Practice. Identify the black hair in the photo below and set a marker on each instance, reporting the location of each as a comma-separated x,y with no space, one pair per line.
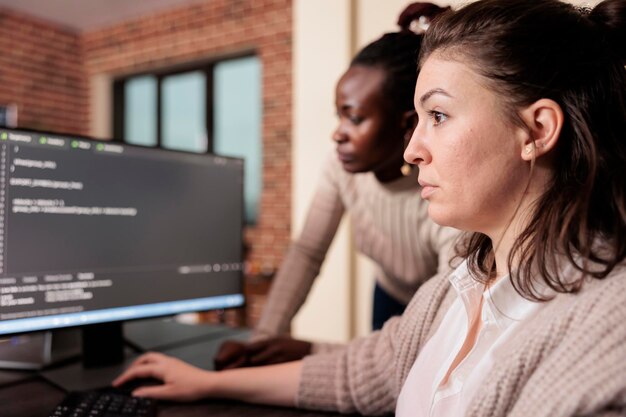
397,53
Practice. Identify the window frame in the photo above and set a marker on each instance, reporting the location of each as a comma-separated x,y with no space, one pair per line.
205,66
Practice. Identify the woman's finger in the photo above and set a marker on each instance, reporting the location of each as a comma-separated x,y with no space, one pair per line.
265,356
258,346
160,392
240,362
137,371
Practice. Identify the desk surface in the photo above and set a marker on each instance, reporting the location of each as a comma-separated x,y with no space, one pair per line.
26,394
36,398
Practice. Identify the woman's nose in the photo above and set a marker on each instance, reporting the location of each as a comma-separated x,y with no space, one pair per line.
339,135
416,151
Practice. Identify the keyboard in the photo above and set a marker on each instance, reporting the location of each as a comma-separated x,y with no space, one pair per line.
104,403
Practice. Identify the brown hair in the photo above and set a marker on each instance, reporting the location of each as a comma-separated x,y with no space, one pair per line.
533,49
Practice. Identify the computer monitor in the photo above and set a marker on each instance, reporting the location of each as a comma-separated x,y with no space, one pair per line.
94,233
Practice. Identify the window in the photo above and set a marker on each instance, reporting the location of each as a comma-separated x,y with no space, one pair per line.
214,108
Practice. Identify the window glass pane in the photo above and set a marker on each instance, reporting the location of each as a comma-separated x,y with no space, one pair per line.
237,122
183,107
140,110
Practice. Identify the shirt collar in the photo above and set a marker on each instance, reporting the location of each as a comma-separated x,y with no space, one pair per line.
505,305
502,304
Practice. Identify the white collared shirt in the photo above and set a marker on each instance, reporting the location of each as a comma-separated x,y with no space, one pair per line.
503,314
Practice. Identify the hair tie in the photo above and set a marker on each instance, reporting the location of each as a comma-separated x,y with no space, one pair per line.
419,25
416,17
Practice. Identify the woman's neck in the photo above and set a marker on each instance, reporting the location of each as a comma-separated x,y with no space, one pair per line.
388,175
503,238
390,170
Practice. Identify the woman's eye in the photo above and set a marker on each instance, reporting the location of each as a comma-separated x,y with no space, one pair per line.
438,117
356,120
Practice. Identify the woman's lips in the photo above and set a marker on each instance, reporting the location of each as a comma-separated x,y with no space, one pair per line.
344,157
427,189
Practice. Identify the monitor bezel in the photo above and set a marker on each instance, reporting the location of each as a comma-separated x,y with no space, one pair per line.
238,300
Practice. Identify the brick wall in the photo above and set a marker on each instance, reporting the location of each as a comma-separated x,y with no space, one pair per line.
45,69
214,29
42,71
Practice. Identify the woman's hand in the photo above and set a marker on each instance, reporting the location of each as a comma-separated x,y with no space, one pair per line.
277,350
181,381
233,354
276,385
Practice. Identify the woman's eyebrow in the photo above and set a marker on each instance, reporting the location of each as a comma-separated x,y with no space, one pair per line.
431,93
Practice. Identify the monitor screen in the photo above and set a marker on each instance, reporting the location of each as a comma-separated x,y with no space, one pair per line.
96,232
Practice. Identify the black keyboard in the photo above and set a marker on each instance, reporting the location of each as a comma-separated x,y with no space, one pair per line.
104,403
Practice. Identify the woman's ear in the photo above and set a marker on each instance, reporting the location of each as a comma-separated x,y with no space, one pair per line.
544,120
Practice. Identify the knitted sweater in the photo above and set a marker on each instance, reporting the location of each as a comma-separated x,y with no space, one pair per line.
390,224
571,362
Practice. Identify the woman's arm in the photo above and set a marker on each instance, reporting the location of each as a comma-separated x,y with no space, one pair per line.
367,374
304,258
274,385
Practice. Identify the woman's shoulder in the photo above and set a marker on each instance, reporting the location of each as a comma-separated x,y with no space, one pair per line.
612,282
612,288
595,280
599,302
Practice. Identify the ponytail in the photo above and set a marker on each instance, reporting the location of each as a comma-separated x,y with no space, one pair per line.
611,16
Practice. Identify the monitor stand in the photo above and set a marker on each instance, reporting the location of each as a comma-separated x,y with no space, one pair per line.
39,350
104,357
76,377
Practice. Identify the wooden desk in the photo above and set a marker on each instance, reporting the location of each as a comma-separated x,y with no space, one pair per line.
36,398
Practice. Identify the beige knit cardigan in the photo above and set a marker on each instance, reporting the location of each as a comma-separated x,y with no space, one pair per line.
571,361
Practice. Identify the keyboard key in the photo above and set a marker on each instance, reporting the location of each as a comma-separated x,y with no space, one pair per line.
107,402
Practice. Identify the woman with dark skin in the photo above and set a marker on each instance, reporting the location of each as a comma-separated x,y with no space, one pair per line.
533,322
369,180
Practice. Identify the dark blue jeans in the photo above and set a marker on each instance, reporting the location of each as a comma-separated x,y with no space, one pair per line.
385,306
